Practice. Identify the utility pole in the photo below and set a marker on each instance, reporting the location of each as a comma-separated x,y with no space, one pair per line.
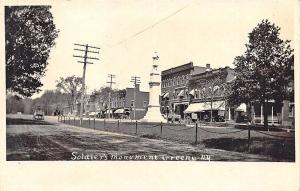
135,80
86,60
111,82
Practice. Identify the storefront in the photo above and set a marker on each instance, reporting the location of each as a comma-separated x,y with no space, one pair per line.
206,111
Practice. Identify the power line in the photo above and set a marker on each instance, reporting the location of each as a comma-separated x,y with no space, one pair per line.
151,26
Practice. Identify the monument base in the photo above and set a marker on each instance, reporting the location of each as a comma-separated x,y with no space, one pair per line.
153,115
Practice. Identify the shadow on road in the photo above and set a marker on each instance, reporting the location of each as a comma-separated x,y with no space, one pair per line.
20,121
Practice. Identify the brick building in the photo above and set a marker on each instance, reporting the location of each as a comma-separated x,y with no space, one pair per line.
207,93
174,89
123,101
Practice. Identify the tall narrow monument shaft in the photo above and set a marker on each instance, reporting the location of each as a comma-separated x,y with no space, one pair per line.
153,114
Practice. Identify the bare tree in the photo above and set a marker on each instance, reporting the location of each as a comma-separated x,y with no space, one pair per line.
71,86
101,96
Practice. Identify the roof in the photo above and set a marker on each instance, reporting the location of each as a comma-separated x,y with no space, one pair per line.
199,70
188,66
212,72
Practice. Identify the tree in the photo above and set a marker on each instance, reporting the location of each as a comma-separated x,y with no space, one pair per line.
14,104
264,71
102,96
71,86
29,36
50,101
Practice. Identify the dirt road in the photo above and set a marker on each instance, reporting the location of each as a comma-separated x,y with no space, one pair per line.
34,140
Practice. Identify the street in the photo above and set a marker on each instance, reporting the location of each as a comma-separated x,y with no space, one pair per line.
50,140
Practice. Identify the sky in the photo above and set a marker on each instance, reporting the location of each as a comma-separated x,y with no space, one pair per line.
129,32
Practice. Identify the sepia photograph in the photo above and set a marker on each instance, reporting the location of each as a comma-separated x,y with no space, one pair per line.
150,81
150,95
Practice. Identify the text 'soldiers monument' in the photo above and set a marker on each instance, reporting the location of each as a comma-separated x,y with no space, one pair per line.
153,113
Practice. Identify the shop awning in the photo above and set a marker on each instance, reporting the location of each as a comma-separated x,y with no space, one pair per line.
166,95
194,107
242,107
192,92
181,94
198,107
119,111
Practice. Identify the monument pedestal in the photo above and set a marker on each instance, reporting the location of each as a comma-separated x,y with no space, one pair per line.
153,115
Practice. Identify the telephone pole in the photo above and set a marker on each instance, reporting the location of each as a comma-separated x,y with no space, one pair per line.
111,82
135,80
86,49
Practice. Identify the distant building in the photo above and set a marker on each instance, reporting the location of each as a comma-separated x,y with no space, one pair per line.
130,103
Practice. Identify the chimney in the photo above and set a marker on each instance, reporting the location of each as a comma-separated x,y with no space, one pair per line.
208,66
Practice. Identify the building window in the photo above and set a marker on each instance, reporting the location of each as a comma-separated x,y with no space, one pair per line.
216,90
132,103
203,93
145,104
291,110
